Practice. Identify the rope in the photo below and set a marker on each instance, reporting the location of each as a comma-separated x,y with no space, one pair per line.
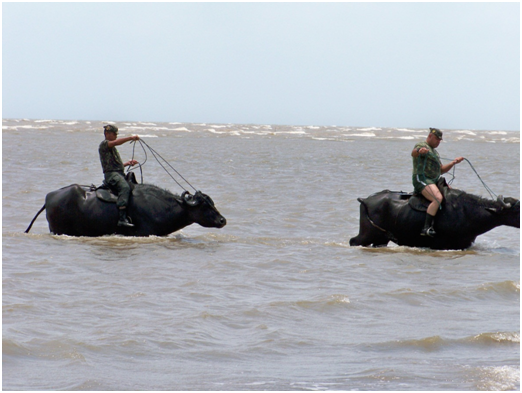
489,190
156,155
425,157
139,164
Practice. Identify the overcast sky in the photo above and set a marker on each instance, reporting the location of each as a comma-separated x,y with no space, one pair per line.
419,65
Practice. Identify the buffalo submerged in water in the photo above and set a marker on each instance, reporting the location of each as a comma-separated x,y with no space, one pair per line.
399,217
85,211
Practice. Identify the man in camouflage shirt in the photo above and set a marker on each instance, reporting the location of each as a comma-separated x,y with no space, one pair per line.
113,167
427,169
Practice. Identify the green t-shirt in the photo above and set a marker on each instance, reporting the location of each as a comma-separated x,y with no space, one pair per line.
429,164
110,158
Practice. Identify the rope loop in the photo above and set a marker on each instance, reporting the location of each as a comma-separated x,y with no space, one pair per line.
489,190
157,156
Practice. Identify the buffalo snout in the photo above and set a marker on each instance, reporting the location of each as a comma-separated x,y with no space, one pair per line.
222,221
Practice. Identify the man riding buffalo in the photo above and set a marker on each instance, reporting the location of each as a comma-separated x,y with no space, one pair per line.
113,168
427,169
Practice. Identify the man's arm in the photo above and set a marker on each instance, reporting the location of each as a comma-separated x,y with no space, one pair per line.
447,167
121,141
419,151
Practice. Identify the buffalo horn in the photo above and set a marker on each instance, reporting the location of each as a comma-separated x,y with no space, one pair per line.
500,200
189,199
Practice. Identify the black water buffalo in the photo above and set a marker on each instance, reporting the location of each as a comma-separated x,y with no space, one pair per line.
77,211
399,217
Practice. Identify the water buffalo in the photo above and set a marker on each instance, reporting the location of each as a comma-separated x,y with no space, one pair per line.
77,211
399,217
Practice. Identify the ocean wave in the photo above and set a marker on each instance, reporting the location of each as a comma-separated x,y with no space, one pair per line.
318,133
13,348
290,132
437,342
494,338
25,127
365,134
495,377
504,287
323,303
146,128
51,350
467,132
103,240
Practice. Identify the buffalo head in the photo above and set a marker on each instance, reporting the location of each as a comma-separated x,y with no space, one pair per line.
509,209
202,210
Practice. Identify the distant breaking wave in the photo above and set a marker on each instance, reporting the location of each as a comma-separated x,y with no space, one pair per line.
318,133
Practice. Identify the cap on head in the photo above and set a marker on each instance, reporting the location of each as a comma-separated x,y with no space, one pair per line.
110,128
437,132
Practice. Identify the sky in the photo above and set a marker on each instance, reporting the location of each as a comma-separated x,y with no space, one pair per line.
418,65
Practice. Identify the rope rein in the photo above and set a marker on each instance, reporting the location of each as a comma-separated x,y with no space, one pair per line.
157,156
489,190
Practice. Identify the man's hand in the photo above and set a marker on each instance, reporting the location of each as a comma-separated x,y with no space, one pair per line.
458,160
131,163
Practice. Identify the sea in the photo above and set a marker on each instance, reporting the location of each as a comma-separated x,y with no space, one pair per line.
276,300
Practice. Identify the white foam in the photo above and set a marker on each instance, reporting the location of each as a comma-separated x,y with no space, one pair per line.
497,133
223,132
367,134
369,129
465,132
290,132
500,378
27,127
146,128
407,130
182,129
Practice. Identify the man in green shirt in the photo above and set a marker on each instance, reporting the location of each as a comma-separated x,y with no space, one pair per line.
113,167
427,169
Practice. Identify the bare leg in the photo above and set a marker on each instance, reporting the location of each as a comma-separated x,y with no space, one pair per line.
432,193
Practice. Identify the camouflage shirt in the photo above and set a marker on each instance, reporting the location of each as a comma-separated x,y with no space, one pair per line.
429,164
110,158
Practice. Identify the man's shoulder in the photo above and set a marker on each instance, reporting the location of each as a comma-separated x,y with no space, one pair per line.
104,144
421,144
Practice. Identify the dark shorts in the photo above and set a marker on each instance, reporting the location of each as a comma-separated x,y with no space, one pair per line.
117,183
420,181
